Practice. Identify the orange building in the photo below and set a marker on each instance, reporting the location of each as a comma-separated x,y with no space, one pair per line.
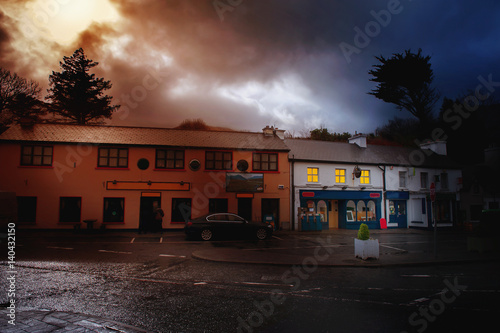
64,175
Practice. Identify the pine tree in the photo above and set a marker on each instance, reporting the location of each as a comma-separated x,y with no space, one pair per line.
78,95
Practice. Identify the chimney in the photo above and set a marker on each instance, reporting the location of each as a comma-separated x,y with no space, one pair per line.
359,139
268,131
439,147
279,133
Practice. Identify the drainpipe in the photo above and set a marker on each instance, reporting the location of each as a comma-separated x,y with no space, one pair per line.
292,208
384,194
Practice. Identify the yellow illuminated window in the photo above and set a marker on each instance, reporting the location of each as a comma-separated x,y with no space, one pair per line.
340,176
312,175
365,177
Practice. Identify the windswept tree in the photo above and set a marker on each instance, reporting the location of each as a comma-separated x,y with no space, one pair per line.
405,80
78,95
19,97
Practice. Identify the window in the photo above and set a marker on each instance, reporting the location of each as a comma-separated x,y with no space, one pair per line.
402,179
444,181
113,210
181,210
365,177
371,213
217,205
265,162
169,159
312,175
340,176
424,179
361,211
113,157
70,209
218,160
36,155
322,210
351,211
26,209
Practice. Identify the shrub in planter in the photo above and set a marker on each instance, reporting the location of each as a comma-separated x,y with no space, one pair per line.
364,247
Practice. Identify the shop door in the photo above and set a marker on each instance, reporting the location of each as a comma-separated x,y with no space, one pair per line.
245,208
271,208
397,213
333,216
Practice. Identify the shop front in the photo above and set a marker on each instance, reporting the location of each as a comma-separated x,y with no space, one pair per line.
340,209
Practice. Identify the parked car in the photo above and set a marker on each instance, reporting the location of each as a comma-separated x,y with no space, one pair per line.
226,225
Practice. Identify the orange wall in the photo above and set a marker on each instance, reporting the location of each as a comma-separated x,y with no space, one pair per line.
74,173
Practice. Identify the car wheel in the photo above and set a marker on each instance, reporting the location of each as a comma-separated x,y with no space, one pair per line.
206,234
261,233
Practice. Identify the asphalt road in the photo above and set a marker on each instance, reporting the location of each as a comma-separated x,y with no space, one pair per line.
153,282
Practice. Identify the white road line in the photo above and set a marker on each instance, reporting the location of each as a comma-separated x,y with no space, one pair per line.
394,248
199,283
161,239
171,255
277,237
120,252
418,275
133,239
60,248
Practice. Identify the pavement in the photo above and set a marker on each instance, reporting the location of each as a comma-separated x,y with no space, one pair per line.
398,247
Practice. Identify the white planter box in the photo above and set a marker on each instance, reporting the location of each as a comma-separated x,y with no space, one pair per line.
365,249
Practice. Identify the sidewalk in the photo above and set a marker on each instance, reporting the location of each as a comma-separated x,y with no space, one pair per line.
408,247
44,321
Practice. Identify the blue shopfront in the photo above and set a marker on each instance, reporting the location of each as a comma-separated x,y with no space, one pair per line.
341,209
398,216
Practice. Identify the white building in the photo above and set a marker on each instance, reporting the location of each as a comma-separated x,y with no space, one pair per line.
345,184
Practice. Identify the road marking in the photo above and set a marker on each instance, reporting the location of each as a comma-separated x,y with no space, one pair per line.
394,248
277,237
120,252
199,283
418,275
133,239
171,255
161,239
60,248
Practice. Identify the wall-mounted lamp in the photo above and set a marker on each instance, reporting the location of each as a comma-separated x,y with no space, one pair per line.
149,183
356,172
182,183
114,182
344,187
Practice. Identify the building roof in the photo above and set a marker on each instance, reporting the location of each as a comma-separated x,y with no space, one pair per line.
340,152
142,136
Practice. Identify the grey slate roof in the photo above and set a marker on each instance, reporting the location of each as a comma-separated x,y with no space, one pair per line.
142,136
339,152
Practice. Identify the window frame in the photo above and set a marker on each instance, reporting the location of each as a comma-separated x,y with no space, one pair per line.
339,176
424,180
311,176
104,215
32,155
227,164
269,162
174,160
364,179
402,179
108,157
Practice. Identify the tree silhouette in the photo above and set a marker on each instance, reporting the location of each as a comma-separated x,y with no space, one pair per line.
17,93
405,80
78,95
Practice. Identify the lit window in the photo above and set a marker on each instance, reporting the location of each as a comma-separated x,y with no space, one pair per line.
340,176
312,175
365,177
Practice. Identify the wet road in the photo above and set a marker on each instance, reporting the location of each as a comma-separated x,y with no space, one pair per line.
154,283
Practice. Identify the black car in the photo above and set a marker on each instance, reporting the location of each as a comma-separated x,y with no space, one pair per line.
226,225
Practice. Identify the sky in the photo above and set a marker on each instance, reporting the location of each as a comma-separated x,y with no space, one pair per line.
244,64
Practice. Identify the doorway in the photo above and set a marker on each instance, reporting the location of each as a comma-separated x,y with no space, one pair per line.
245,208
146,212
271,209
333,215
397,213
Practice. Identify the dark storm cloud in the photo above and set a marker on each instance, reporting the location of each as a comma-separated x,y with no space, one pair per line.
295,64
